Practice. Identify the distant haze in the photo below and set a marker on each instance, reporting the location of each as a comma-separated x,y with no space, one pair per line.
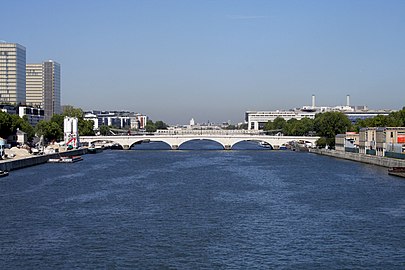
213,60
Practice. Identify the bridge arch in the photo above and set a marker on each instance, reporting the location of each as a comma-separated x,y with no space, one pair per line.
252,140
150,141
217,142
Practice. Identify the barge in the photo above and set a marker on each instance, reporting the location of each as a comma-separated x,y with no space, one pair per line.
71,159
397,171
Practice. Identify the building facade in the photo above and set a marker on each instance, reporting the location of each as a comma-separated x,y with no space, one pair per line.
44,87
117,119
367,140
12,73
390,139
34,85
257,119
34,115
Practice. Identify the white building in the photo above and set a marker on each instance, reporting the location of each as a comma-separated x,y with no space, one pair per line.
34,115
118,119
257,119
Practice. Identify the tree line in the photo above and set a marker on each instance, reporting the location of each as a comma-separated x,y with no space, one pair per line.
52,130
327,125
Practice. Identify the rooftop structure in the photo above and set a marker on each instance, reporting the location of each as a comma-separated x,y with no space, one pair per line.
257,119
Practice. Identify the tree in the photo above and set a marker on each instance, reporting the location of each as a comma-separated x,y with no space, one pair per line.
289,128
331,123
243,126
160,125
150,126
23,125
73,112
50,130
104,130
86,128
58,119
279,123
5,125
268,126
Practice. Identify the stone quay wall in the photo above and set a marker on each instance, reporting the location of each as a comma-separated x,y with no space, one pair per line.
369,159
9,165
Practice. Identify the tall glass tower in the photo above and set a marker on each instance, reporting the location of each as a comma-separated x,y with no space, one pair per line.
12,73
43,87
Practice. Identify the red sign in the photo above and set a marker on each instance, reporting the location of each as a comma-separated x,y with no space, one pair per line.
401,139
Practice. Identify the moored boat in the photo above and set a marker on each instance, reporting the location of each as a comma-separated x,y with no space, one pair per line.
397,171
3,173
94,150
264,144
70,159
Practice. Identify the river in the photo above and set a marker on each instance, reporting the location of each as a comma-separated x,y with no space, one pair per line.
202,209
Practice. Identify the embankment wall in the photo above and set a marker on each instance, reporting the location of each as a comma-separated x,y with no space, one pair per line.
369,159
9,165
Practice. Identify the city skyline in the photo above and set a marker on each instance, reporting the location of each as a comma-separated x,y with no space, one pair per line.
177,60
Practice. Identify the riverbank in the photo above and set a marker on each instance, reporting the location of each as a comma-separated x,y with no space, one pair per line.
14,164
369,159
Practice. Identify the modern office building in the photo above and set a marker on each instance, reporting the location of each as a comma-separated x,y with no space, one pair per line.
257,119
12,73
117,119
34,82
43,87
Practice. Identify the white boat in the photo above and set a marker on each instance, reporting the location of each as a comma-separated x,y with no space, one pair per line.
70,159
264,144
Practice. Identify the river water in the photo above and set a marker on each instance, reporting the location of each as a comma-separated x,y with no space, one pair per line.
202,209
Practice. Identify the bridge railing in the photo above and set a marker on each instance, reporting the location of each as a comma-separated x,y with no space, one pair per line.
208,132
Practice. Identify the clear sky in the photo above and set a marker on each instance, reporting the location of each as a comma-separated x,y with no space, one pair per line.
213,60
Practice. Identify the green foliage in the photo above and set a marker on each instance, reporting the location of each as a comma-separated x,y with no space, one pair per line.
294,127
104,130
50,130
321,142
73,112
58,119
5,125
23,125
331,123
86,128
394,119
10,123
160,125
278,124
150,126
243,126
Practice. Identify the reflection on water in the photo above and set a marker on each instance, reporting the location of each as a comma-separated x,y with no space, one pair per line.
246,208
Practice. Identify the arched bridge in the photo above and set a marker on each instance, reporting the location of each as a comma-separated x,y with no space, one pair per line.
175,139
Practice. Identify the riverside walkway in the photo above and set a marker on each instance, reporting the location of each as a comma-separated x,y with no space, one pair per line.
175,138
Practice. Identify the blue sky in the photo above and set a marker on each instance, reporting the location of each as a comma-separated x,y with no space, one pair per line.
213,60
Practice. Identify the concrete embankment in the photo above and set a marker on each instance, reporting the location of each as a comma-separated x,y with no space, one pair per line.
9,165
369,159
